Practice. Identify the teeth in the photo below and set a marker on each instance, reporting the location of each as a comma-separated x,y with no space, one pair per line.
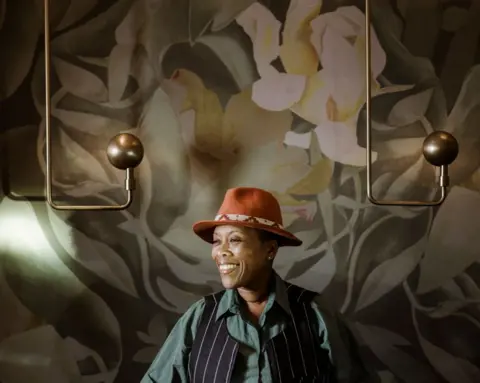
227,267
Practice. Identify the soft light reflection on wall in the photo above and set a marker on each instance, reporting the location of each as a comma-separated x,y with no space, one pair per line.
39,354
20,231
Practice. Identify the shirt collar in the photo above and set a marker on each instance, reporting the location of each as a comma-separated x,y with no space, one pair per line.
230,301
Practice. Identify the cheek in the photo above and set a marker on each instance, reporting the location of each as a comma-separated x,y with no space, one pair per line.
250,260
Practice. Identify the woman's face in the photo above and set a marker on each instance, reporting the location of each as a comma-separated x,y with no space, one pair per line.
241,256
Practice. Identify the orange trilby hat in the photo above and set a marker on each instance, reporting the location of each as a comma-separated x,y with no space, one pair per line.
250,207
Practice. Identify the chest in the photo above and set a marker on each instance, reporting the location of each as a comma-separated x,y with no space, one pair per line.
287,350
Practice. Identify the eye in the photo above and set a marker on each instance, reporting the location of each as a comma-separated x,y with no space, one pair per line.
215,241
235,239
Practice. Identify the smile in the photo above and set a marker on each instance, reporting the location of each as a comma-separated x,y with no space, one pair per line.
227,268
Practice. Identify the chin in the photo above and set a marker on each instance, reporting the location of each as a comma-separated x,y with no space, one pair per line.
229,284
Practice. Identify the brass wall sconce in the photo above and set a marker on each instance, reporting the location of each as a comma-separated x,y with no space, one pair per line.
125,151
439,148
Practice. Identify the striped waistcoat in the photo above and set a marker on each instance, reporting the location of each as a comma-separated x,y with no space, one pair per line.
294,355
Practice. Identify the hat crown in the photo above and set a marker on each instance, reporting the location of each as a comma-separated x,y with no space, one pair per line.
251,202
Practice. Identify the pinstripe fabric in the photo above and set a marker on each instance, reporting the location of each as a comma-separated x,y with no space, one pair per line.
296,351
294,355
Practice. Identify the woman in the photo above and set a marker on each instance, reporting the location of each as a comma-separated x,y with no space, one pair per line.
260,328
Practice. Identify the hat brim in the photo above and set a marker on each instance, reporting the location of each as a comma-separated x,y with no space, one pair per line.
205,229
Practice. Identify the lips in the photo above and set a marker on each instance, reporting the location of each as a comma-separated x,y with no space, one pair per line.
227,268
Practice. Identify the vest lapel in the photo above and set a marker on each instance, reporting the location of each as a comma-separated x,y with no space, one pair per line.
213,354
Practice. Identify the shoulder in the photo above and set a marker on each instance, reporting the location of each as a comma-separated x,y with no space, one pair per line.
191,317
199,306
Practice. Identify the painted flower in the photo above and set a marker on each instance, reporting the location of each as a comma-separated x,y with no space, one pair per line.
329,98
231,151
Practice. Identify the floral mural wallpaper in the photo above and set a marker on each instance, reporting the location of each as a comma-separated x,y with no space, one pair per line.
237,93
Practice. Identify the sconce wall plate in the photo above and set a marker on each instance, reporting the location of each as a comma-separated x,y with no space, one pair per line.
125,151
439,148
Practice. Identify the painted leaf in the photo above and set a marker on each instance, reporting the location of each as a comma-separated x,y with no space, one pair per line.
157,328
401,147
386,377
82,353
178,300
163,174
316,181
84,40
302,266
75,12
447,308
404,67
388,348
83,171
145,355
94,255
20,43
53,287
80,82
402,185
348,203
469,286
452,368
98,126
201,14
410,109
320,273
233,56
454,231
45,343
228,11
390,274
119,64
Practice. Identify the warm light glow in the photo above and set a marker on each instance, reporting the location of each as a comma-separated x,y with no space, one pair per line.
20,231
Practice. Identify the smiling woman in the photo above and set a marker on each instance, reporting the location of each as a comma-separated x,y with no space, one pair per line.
260,328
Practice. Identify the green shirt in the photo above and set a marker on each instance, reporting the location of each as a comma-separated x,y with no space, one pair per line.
174,355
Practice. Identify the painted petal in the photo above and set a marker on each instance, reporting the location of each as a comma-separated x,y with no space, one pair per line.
379,58
313,105
344,74
264,30
273,167
338,141
210,135
297,53
278,92
271,125
332,21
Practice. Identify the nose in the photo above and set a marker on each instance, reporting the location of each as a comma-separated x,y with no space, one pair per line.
223,250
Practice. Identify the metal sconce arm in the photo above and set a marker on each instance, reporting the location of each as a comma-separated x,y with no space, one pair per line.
125,151
439,148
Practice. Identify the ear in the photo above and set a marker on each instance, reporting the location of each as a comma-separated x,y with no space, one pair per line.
272,248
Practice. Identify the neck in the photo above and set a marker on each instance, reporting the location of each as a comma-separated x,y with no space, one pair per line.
258,293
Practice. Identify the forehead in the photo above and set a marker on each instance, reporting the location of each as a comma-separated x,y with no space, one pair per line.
227,229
